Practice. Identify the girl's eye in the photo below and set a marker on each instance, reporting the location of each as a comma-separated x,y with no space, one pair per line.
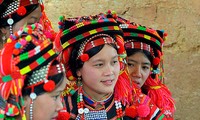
115,61
98,65
146,67
130,65
56,97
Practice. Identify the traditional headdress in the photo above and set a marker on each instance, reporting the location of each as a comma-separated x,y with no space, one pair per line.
13,11
89,32
26,62
140,37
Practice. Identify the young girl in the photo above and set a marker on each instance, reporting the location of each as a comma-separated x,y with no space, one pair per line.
32,77
144,50
94,57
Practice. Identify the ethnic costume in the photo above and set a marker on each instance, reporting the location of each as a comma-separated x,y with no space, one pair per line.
27,61
138,37
125,101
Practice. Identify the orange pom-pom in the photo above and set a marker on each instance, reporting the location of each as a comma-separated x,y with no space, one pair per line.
131,111
16,52
84,57
29,31
49,86
156,61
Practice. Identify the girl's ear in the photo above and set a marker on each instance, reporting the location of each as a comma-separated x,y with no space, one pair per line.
78,72
3,31
26,101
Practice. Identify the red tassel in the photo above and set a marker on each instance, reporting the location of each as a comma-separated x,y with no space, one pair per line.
49,86
131,111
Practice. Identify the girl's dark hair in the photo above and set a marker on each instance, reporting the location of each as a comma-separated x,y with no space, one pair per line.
57,78
146,53
75,64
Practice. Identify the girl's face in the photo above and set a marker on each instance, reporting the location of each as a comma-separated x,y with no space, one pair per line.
139,68
100,73
47,105
32,18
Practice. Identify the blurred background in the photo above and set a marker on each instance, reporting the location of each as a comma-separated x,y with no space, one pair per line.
179,18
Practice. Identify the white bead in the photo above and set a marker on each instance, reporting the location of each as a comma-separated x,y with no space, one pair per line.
86,110
80,111
33,96
10,21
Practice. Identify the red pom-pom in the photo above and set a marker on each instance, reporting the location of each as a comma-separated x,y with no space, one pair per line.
109,11
48,35
21,11
156,61
84,57
63,115
131,111
49,86
143,110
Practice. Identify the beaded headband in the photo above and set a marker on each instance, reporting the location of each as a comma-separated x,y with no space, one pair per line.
93,42
16,10
132,44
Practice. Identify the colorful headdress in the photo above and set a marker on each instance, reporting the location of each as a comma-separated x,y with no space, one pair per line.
85,29
13,11
89,32
26,61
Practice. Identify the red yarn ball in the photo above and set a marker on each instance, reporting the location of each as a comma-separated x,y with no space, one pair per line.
21,11
84,57
143,110
156,61
63,116
131,111
49,86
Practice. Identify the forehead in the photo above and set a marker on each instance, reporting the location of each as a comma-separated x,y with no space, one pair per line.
106,52
139,57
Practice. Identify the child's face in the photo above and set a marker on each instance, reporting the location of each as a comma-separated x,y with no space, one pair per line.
139,68
100,73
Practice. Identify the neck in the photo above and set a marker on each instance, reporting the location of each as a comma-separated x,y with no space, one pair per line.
96,97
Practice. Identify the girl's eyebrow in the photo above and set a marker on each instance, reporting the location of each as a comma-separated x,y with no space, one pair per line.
146,63
100,60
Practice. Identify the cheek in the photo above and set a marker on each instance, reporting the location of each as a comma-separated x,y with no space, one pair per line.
18,25
146,74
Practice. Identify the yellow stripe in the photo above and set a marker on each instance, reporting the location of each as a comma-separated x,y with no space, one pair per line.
116,28
147,37
92,31
65,45
25,70
51,52
155,87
